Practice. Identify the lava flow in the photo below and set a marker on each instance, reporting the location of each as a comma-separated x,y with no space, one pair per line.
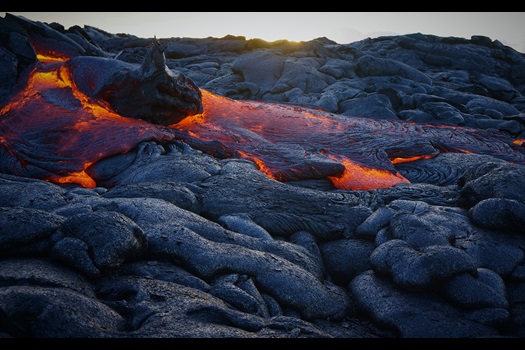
294,143
51,129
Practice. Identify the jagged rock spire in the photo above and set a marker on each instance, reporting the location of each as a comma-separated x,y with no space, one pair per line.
154,60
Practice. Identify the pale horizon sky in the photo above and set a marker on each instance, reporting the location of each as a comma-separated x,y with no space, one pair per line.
341,27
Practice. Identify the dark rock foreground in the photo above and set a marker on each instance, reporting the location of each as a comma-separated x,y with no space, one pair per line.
177,243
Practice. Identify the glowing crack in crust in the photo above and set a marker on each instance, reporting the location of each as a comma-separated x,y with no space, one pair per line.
68,113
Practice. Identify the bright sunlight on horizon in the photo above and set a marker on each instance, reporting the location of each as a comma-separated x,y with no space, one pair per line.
341,27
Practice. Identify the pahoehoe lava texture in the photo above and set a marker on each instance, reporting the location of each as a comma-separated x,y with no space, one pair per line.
70,110
175,239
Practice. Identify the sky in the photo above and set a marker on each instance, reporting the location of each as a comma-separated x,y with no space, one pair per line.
341,27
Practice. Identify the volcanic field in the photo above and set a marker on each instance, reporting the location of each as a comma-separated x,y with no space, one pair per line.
233,188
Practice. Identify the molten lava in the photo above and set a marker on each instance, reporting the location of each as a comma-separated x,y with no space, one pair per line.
51,130
54,132
294,143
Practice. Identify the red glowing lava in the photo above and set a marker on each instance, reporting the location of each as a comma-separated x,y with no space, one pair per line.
53,131
295,143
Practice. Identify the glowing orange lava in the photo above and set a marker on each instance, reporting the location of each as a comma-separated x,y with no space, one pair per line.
410,159
53,131
520,142
56,132
357,177
294,143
